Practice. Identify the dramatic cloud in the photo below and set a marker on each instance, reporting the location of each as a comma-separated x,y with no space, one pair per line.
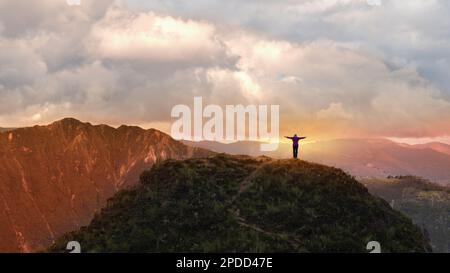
150,38
337,68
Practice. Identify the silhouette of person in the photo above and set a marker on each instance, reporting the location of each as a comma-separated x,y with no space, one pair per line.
295,139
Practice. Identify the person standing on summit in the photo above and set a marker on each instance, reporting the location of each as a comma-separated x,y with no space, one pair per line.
295,139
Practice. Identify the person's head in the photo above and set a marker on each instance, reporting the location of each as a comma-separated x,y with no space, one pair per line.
295,135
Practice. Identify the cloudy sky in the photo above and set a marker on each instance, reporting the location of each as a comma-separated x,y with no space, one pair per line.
337,68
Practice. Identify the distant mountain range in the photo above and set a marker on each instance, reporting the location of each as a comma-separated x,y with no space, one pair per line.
54,178
360,157
436,146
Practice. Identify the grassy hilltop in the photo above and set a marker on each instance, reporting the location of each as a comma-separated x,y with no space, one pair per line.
244,204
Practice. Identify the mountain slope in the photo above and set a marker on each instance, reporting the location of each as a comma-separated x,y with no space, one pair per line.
437,146
54,178
238,203
360,157
381,158
428,205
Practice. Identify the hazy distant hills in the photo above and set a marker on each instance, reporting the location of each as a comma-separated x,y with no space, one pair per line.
6,129
436,146
54,178
428,205
242,204
360,157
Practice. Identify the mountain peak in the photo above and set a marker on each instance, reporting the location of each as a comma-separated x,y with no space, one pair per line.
69,122
60,174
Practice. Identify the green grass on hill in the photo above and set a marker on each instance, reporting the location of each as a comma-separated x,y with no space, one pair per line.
244,204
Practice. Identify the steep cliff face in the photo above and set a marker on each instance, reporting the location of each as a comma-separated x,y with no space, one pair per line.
54,178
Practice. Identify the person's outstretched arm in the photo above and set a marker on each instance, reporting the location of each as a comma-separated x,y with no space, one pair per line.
303,137
288,137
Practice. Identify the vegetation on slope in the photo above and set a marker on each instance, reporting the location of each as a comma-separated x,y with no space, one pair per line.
427,204
243,204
